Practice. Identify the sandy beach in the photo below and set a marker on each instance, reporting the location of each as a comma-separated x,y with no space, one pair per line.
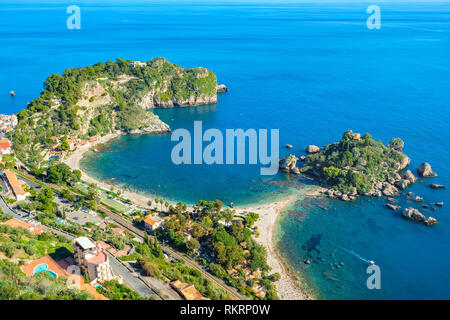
73,161
288,287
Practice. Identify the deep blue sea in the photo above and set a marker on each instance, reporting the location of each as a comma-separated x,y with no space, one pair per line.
310,70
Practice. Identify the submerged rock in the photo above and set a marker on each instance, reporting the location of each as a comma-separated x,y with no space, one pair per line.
413,214
392,206
436,186
425,170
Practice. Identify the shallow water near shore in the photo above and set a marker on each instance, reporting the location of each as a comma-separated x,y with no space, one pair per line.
341,238
310,70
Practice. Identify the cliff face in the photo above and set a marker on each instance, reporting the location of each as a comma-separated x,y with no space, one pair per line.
179,87
96,100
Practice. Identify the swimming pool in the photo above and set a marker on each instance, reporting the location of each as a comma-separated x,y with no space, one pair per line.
43,267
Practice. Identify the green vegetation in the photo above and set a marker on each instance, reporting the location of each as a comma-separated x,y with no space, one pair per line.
15,285
221,242
103,197
47,212
355,164
62,174
113,290
19,245
151,259
83,102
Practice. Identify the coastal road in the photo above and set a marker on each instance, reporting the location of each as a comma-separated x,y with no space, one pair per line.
131,278
177,255
6,209
29,182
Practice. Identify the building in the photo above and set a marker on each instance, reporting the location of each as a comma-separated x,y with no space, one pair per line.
15,185
136,64
119,231
152,223
5,146
34,229
186,290
56,269
92,259
8,122
357,136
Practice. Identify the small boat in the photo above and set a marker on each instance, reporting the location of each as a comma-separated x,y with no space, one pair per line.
13,94
372,263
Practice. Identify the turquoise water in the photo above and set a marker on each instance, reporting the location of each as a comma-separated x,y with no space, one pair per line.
44,268
310,70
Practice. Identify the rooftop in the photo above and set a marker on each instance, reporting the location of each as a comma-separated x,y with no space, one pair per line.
15,184
16,223
85,243
151,220
187,290
4,144
100,258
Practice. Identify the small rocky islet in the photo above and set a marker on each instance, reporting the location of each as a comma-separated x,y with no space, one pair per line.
360,166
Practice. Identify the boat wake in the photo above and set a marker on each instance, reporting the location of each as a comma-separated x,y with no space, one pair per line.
353,253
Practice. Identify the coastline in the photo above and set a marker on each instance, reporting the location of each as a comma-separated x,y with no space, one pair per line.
74,159
288,287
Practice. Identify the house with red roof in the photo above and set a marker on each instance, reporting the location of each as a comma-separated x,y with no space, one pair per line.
5,146
93,259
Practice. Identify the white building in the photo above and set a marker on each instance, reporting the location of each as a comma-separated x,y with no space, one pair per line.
94,260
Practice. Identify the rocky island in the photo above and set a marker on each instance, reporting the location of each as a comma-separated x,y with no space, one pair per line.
359,165
112,97
356,165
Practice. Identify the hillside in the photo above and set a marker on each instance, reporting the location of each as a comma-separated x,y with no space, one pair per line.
113,96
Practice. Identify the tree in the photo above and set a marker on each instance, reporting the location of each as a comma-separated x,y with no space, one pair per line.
93,193
64,144
228,215
251,218
77,176
275,277
207,222
192,245
46,197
